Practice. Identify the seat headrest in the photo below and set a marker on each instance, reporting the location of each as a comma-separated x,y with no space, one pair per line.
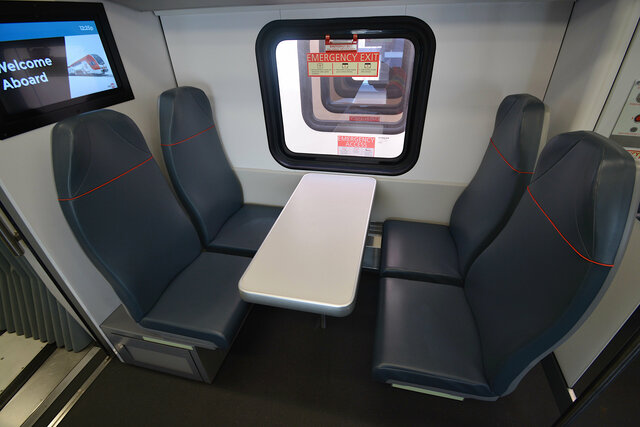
605,173
184,111
517,129
78,141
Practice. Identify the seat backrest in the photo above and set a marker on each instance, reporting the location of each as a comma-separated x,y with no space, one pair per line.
537,281
120,207
506,168
196,162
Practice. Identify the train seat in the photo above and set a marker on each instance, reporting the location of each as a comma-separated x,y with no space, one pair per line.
203,178
126,218
527,291
443,254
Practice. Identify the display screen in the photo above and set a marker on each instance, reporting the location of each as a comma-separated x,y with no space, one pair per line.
43,63
57,59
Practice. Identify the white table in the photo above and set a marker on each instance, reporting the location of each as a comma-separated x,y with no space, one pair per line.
310,260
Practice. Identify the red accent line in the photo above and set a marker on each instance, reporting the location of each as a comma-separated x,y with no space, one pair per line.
561,235
111,180
186,139
505,160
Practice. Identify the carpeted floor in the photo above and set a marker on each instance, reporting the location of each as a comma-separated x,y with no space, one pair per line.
284,370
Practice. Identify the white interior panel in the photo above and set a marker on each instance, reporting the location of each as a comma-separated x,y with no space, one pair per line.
344,11
623,296
216,52
484,52
392,195
629,73
577,353
26,174
592,52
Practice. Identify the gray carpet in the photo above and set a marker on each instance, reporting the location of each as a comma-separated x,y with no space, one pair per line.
284,370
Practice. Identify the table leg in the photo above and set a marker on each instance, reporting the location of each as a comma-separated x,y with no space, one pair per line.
323,321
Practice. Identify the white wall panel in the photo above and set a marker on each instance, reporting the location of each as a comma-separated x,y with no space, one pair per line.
618,303
592,52
345,11
484,52
216,52
623,296
26,175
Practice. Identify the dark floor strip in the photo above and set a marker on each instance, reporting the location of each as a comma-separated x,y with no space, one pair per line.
617,343
557,382
591,400
57,405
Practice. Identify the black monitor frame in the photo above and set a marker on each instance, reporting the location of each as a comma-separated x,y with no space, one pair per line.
37,11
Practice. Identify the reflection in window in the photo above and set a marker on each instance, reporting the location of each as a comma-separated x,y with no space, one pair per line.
351,116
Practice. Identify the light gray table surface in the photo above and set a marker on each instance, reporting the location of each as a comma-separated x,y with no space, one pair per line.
310,260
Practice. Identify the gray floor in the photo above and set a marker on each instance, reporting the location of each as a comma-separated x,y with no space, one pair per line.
283,369
15,354
43,386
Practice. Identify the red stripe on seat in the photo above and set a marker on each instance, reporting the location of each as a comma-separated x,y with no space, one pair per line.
505,160
110,181
561,235
186,139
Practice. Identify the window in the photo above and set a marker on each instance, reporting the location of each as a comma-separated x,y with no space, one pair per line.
346,95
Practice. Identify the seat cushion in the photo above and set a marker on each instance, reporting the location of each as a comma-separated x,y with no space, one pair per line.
203,301
245,230
426,336
419,251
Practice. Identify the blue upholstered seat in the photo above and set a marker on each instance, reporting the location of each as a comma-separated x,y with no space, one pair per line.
442,254
443,352
419,251
203,179
185,307
527,291
125,217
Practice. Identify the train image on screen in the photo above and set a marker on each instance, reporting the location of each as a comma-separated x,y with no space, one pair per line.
91,64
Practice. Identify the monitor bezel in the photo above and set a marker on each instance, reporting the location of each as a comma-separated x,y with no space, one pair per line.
38,11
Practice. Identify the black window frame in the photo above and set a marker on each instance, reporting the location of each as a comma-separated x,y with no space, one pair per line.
381,27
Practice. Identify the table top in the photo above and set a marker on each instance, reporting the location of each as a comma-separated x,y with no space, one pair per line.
310,260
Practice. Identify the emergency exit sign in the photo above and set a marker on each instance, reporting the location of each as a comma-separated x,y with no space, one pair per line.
343,64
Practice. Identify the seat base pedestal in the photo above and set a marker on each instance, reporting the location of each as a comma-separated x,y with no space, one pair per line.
425,391
162,352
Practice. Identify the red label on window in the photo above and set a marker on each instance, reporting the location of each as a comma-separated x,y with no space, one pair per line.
634,152
363,146
330,45
343,64
364,118
344,57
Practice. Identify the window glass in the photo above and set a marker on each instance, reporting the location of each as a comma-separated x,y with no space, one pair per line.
353,115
